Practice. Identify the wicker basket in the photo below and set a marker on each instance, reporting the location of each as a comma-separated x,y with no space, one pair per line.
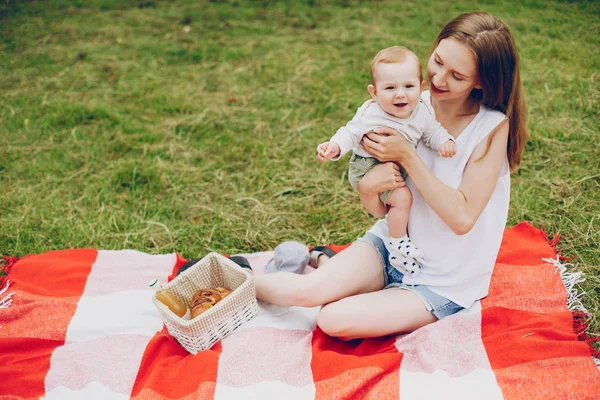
216,323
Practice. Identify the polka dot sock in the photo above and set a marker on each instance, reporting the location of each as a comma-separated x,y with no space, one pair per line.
405,247
406,265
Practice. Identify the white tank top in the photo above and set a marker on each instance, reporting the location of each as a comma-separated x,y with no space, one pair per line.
457,267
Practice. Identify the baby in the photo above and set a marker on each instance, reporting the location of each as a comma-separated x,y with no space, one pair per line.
396,85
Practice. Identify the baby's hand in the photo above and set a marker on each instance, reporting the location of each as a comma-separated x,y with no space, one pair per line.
448,149
328,150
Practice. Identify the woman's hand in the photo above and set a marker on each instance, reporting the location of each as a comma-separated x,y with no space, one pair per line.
381,178
386,144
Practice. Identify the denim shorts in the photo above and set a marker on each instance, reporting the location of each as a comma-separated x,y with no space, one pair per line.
438,305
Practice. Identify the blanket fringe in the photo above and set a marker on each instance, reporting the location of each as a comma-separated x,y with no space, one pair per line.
570,279
7,300
581,316
6,266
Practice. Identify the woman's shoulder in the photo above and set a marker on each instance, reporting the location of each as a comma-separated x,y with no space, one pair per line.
490,113
489,118
485,122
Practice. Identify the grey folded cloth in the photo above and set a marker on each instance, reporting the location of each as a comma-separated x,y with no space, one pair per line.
288,257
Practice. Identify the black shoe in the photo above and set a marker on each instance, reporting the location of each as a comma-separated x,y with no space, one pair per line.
187,265
239,260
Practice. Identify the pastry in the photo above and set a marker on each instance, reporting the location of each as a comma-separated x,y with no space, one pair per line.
223,291
213,295
204,299
201,300
200,308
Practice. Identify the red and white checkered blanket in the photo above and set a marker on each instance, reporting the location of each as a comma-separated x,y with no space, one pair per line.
82,326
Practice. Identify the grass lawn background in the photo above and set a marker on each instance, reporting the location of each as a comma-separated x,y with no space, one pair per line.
191,126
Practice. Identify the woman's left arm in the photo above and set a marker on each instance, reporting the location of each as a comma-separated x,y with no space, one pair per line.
458,208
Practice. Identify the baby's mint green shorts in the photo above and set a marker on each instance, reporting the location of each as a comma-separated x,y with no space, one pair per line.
359,166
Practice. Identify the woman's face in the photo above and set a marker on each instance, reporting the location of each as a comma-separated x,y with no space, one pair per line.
452,71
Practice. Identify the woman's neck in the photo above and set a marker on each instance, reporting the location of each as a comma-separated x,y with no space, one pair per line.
455,115
455,108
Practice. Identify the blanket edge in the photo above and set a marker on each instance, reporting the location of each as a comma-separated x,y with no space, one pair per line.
581,316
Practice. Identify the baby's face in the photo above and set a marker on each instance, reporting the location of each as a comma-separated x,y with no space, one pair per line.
397,88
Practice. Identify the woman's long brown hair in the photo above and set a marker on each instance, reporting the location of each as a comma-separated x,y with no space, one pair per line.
494,47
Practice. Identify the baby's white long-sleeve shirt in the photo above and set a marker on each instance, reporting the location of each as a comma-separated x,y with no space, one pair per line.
420,124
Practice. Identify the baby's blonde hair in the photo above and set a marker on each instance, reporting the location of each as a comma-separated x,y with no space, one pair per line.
394,54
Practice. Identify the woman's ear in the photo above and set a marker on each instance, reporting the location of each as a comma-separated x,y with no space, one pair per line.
372,91
422,85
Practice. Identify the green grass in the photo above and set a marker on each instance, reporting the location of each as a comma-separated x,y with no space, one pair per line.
122,129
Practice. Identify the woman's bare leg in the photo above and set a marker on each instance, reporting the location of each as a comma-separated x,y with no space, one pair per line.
356,269
380,313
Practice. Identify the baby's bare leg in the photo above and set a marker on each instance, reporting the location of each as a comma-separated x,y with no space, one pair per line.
403,254
400,202
369,199
373,205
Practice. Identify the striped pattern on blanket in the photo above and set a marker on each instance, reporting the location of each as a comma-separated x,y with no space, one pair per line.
82,326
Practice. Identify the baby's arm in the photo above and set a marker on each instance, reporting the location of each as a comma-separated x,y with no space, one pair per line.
448,149
437,137
328,150
350,135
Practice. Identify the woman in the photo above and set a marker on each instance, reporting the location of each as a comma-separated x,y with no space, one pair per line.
460,204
